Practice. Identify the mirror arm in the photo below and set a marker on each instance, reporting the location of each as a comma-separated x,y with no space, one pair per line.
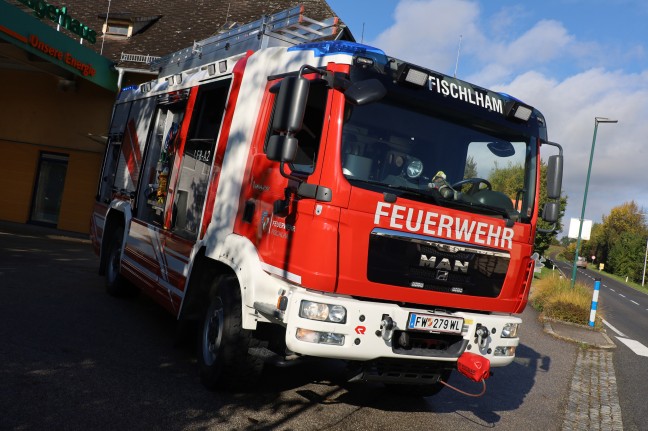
552,229
553,144
287,175
312,69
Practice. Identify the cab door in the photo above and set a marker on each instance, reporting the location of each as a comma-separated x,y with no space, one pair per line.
188,193
143,257
296,237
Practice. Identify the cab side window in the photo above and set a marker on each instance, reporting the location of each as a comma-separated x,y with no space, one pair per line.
198,158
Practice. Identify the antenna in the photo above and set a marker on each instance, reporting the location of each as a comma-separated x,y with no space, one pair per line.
362,35
458,52
103,38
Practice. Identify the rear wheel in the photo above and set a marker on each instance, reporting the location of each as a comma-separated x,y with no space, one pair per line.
224,354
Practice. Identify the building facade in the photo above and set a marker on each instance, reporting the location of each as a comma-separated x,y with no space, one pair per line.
62,64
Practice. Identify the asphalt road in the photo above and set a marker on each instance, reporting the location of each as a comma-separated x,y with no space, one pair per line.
625,311
73,358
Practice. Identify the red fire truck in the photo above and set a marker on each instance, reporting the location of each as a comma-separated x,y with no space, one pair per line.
323,199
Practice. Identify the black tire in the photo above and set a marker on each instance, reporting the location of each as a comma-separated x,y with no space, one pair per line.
224,346
419,390
116,284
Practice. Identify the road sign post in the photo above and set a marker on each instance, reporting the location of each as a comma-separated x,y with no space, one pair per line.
595,295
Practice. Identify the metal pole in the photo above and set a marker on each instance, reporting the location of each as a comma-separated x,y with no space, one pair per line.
597,120
643,278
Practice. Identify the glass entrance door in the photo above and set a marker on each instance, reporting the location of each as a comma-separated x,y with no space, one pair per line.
49,188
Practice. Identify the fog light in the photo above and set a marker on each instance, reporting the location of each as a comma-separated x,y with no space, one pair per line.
307,335
510,330
317,337
504,351
324,312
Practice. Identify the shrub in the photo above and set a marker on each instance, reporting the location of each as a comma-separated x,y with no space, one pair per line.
555,299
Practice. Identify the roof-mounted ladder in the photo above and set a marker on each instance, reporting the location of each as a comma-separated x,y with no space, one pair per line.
286,28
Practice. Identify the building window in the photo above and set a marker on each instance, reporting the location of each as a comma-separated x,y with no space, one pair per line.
117,29
48,192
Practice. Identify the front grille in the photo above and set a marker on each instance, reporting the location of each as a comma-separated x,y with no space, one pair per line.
421,343
436,265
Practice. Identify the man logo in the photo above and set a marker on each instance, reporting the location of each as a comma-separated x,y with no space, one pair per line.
442,275
445,264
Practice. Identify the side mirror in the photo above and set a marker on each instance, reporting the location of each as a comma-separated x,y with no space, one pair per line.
363,92
554,176
291,105
281,148
551,212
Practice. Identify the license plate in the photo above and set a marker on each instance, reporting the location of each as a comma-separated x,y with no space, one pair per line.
434,323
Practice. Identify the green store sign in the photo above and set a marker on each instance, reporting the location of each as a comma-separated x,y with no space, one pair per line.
42,9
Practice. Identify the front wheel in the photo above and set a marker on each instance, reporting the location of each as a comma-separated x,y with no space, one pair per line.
224,350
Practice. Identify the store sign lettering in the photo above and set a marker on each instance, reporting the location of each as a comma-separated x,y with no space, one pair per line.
42,9
66,57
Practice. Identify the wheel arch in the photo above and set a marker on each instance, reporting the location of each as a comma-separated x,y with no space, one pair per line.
114,219
203,271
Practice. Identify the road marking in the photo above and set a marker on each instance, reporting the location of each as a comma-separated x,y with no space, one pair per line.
609,325
635,346
634,302
621,295
612,290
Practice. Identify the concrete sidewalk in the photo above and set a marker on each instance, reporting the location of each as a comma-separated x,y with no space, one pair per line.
584,335
593,398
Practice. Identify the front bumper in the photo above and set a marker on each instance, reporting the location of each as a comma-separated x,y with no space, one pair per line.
365,337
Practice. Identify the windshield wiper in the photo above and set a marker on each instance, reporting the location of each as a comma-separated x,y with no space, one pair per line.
406,192
508,215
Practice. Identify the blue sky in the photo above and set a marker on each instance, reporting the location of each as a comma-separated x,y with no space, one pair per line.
574,60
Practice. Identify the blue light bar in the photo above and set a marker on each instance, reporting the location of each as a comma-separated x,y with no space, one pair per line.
333,47
508,96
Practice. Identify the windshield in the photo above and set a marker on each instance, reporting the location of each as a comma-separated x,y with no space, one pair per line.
391,148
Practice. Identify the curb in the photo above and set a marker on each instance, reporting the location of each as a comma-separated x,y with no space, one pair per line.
608,344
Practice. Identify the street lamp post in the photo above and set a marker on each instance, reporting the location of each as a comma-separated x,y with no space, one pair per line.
597,120
643,278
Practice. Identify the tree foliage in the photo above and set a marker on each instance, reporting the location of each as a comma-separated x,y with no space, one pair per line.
471,168
510,180
620,241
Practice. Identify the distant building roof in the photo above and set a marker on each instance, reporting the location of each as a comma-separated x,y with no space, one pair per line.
160,27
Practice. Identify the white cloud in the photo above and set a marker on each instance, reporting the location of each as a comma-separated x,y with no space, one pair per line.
526,65
620,158
428,32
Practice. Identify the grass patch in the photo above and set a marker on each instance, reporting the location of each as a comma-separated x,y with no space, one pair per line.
555,299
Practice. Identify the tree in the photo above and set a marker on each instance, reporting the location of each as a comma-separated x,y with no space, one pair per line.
596,243
626,256
510,180
565,241
626,218
471,168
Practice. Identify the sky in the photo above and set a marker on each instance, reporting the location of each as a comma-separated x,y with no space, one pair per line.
573,60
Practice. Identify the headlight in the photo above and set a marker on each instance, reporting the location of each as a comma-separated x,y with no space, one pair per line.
510,330
324,312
